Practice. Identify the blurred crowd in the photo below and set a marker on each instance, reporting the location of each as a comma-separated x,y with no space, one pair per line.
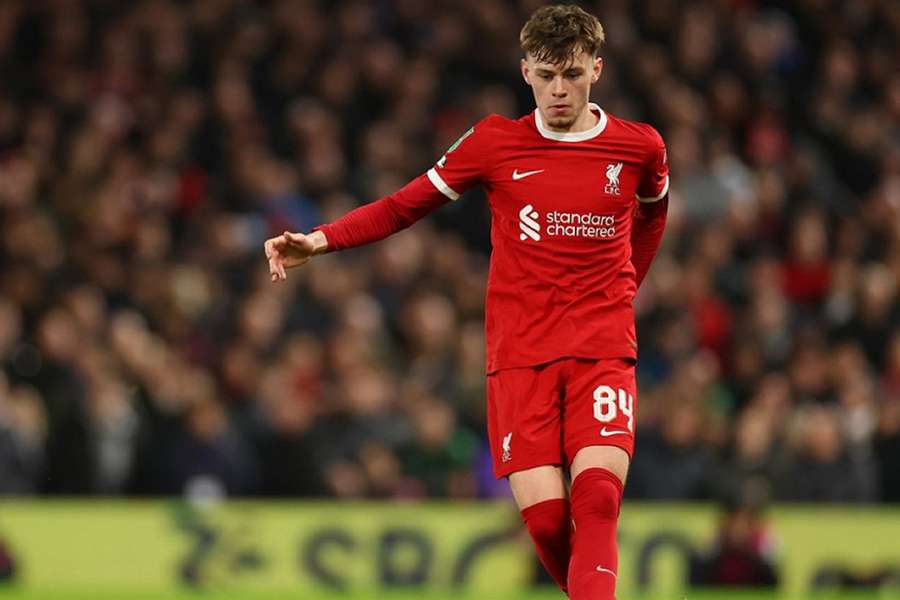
148,147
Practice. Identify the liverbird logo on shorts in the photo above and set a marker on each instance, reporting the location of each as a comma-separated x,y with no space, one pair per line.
612,179
506,452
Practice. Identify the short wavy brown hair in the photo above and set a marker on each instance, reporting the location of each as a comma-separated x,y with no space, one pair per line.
554,34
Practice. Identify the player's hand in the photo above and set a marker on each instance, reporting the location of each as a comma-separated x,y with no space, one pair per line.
290,250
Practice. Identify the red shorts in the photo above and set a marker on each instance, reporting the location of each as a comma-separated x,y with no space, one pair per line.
543,415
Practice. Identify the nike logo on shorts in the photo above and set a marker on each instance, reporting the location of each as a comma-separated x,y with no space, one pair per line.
608,432
602,570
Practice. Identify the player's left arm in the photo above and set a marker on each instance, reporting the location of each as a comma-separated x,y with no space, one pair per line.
649,218
462,166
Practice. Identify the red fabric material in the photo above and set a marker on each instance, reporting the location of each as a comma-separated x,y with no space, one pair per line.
526,409
646,234
561,281
593,568
549,523
379,219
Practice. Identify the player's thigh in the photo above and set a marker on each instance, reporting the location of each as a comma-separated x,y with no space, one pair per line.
524,418
537,484
600,402
611,458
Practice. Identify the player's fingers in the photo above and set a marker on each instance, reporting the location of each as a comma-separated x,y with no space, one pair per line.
277,271
275,248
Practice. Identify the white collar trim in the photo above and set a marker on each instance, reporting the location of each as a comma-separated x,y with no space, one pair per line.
572,136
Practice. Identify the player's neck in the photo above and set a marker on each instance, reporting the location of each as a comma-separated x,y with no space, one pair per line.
585,121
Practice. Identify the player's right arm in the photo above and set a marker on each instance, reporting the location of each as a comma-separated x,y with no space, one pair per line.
460,168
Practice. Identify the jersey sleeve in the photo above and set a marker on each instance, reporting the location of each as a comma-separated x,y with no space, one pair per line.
463,165
654,184
385,216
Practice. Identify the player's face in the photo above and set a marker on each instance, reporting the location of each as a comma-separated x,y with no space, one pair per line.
561,91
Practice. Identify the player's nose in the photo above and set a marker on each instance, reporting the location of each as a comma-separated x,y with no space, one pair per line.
557,88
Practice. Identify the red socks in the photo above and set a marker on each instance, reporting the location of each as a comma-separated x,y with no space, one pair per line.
549,524
590,573
596,497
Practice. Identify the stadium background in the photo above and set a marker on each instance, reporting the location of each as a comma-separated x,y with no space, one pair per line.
147,148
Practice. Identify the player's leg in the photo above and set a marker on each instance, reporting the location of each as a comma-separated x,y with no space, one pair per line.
525,434
540,494
598,475
599,439
533,486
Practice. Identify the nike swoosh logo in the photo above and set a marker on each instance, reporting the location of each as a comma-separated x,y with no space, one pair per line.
602,570
606,432
517,176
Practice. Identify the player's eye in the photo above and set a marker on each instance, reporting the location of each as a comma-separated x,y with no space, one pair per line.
545,76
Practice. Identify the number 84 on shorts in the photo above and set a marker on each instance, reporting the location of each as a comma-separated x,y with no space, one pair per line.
608,402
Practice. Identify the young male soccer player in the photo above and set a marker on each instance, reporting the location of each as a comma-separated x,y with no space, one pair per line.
578,199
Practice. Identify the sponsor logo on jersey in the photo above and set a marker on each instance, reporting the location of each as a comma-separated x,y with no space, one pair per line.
612,179
565,224
528,225
507,455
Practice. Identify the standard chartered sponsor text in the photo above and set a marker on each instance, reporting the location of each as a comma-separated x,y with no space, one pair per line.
571,224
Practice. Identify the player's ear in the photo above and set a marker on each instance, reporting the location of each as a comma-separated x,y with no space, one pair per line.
598,68
525,71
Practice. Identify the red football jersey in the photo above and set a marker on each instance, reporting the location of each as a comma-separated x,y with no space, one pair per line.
561,281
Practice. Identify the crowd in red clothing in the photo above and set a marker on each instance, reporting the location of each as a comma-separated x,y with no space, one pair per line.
148,148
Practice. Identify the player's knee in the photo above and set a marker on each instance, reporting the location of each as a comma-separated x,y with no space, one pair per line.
596,493
547,520
543,532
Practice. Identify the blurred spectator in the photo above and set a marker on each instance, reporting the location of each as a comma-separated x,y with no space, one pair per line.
753,462
147,150
7,564
887,449
676,461
823,468
286,439
204,450
23,431
440,454
743,554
